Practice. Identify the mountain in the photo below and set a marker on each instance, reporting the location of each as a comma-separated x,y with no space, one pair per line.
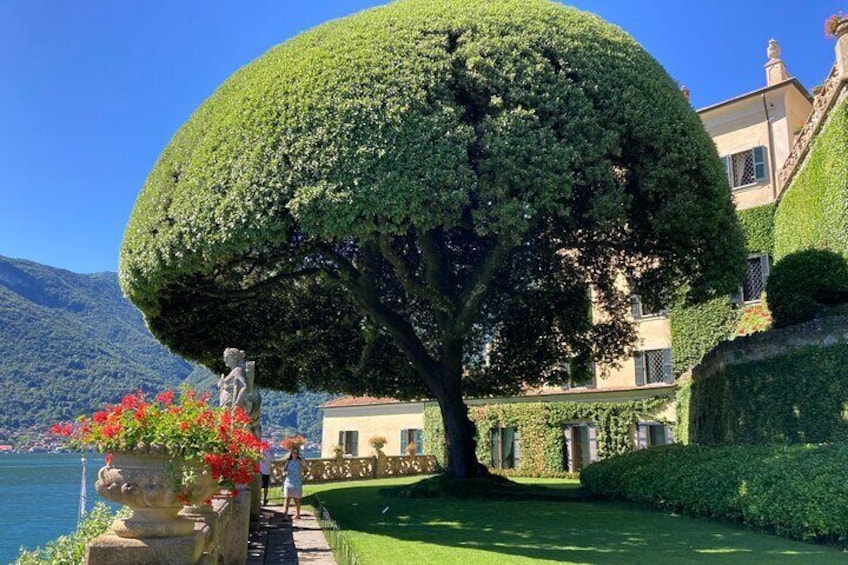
70,342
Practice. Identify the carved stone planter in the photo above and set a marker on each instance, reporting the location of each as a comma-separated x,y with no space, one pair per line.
148,484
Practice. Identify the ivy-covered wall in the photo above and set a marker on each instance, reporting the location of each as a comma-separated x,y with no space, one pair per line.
758,226
696,329
539,425
813,212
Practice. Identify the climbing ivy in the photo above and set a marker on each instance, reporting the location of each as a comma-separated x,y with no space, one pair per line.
813,211
758,227
539,425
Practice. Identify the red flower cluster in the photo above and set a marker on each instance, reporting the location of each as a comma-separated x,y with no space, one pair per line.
293,442
831,23
185,427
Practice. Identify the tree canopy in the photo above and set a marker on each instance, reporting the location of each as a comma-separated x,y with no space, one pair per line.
415,201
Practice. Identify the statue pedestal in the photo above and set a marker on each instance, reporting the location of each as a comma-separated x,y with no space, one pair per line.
111,549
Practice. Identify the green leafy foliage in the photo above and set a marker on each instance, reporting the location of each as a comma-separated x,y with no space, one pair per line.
798,397
798,491
697,328
758,227
813,212
70,549
804,283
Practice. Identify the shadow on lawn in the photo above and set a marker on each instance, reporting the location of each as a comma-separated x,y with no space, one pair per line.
590,532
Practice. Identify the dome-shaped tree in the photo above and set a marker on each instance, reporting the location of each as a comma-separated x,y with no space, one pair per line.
414,201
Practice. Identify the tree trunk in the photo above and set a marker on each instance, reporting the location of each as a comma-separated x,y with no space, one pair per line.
459,438
459,431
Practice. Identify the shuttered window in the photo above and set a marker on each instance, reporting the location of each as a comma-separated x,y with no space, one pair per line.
651,434
506,453
653,366
412,436
349,442
638,310
746,167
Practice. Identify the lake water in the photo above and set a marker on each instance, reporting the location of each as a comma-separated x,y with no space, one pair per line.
39,497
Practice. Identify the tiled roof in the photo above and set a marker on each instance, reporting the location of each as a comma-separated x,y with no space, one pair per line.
357,401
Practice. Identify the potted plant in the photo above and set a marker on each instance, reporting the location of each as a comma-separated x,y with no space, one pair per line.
836,25
377,442
293,442
164,453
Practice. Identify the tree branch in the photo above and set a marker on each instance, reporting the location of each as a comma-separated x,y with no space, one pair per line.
477,285
411,284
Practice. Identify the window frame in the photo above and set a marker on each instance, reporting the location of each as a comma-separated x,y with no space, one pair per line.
345,444
643,434
758,163
765,270
496,437
637,311
641,369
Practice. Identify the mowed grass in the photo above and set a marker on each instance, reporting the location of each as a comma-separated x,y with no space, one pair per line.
384,529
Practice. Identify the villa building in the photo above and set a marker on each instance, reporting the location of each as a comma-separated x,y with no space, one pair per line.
633,404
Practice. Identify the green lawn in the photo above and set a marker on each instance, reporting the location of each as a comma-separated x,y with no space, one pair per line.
470,532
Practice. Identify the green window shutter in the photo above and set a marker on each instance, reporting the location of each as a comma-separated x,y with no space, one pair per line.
668,368
635,306
639,361
419,442
354,443
727,170
593,382
641,436
669,435
593,443
569,449
759,163
764,268
404,441
341,440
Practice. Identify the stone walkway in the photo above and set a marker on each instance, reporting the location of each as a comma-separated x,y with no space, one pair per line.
281,541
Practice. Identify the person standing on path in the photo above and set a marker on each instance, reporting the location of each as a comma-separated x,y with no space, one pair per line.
293,485
265,472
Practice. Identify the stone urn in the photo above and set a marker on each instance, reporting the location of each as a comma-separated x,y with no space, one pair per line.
150,485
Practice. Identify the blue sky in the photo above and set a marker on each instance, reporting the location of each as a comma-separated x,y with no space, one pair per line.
91,91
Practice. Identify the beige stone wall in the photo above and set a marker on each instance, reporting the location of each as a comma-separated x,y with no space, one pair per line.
371,420
742,125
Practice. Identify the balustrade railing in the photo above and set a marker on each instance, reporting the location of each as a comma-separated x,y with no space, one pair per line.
358,468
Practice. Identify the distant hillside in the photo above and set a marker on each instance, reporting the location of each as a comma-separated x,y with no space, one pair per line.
70,342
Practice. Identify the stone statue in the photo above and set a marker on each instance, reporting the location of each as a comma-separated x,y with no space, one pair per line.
253,401
232,387
773,51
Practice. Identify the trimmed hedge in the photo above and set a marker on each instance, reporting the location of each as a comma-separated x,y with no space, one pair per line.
797,491
813,212
804,283
790,399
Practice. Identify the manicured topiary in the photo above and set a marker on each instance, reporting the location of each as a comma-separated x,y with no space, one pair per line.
380,205
802,284
798,491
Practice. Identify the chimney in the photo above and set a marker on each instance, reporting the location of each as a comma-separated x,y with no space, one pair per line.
685,92
775,69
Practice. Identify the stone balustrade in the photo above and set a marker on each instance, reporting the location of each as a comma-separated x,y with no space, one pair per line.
358,468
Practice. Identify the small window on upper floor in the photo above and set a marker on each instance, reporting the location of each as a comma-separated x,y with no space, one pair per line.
653,366
640,310
746,168
756,278
579,373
